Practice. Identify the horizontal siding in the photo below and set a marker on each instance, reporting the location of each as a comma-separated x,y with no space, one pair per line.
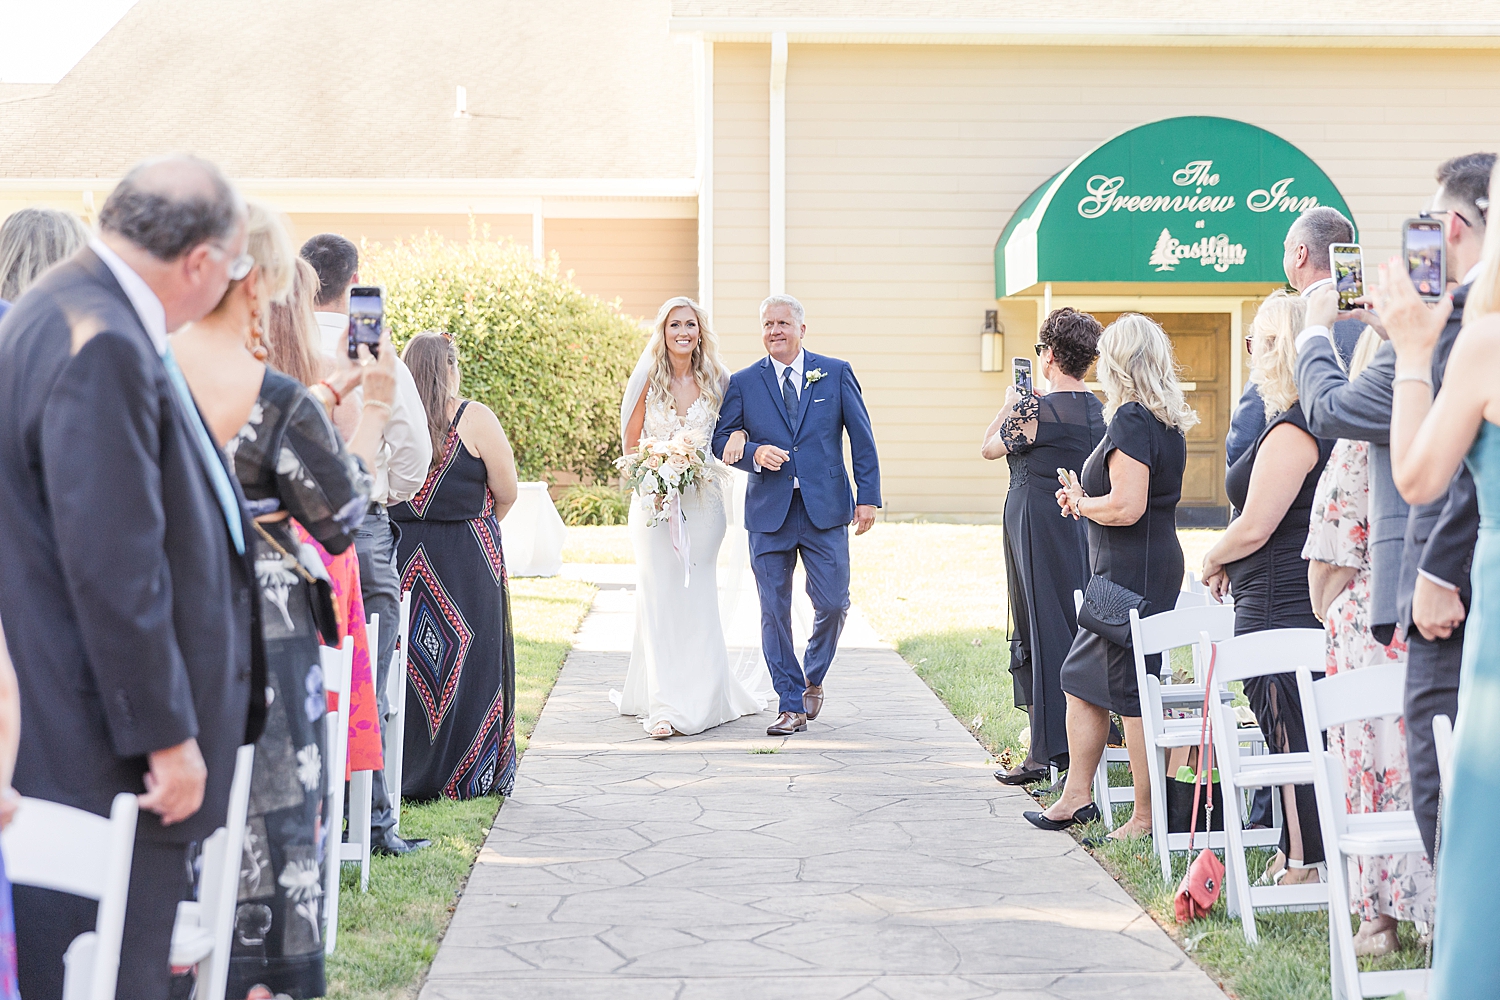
641,262
390,227
905,162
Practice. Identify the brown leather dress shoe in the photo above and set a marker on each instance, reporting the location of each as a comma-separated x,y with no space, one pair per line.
788,723
812,701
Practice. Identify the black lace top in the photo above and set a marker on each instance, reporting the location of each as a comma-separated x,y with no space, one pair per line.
289,457
1049,432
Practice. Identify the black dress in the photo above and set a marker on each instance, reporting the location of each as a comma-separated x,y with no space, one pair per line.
288,457
1144,556
1270,591
1046,557
461,672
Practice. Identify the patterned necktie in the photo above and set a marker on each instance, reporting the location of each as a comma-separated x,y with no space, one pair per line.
211,454
789,395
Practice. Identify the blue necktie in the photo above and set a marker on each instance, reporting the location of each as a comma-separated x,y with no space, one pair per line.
789,396
211,454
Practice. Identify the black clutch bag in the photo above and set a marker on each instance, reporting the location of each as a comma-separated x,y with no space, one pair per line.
1106,610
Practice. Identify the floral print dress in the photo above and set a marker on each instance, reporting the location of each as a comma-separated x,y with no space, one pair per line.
1377,778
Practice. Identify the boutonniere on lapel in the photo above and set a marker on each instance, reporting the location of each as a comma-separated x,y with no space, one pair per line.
813,376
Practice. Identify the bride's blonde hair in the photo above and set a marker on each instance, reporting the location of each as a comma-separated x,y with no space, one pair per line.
708,371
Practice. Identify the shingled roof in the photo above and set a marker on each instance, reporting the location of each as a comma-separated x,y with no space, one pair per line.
366,88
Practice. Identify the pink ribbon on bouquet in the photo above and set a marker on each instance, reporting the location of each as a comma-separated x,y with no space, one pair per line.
677,529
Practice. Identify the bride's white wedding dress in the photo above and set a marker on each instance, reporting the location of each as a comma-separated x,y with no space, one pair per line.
680,671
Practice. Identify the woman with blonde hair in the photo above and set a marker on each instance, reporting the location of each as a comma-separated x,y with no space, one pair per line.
1128,493
680,679
31,241
291,463
1259,559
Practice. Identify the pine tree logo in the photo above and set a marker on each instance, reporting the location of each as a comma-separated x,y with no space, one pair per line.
1163,258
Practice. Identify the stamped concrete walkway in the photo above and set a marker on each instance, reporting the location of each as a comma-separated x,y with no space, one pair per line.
872,857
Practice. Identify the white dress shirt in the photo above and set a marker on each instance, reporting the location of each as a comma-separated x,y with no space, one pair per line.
405,453
147,306
796,367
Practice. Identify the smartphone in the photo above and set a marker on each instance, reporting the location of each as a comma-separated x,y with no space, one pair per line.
1422,246
366,318
1021,369
1348,265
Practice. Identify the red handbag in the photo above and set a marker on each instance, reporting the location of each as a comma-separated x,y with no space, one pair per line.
1200,887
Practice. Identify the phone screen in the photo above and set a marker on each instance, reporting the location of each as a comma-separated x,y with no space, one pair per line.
1021,368
1348,272
366,318
1422,244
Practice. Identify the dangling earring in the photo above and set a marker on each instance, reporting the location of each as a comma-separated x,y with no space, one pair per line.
257,345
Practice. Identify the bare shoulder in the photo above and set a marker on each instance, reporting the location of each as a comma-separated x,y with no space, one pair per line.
1478,344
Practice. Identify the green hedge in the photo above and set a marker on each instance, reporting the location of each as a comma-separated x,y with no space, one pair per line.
550,360
594,506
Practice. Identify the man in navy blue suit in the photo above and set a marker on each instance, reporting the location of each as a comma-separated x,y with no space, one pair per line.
796,407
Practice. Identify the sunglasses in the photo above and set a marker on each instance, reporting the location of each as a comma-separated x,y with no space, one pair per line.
1249,343
239,266
1040,348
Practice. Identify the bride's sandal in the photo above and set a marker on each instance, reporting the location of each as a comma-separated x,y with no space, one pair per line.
662,731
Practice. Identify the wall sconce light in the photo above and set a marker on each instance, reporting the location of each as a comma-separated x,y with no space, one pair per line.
992,342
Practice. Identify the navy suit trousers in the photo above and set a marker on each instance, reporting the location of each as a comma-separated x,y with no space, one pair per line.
825,559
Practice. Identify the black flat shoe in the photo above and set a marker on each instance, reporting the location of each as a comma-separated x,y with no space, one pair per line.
1023,776
394,846
1084,814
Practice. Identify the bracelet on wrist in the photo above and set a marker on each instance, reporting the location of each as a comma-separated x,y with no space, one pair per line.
380,403
1424,379
338,398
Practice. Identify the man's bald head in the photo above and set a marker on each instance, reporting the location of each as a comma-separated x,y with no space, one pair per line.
168,205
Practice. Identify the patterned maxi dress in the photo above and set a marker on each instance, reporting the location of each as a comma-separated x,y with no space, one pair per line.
288,457
461,670
1377,778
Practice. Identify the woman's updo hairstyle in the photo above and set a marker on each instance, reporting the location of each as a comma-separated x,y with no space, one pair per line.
1073,337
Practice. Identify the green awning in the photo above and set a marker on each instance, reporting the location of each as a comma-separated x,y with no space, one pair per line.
1192,199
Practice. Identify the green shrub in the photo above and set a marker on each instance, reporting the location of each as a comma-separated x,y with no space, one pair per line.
594,506
550,360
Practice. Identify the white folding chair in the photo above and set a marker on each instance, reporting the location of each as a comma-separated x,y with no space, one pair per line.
58,847
1189,696
357,847
201,935
395,720
1367,693
1161,634
338,666
1258,654
1442,742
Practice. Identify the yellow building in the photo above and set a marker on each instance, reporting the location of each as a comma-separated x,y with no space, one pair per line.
876,158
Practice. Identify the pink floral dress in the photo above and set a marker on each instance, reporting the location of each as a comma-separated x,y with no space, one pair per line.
1377,778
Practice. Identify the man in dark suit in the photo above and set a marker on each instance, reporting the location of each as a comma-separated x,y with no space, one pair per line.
1440,536
129,603
796,408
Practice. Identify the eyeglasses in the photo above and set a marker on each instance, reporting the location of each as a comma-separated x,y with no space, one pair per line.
1482,203
1040,348
1249,343
239,266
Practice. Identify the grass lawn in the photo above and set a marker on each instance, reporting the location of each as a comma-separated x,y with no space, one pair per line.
388,936
937,592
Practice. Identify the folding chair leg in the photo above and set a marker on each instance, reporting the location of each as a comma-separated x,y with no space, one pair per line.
1155,769
1101,791
360,793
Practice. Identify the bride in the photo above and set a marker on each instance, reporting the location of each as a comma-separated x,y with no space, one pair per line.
680,680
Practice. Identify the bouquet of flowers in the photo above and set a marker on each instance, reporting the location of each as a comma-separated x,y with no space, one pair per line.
661,469
658,472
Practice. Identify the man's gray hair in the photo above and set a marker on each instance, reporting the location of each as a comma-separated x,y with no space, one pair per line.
1318,228
169,219
798,313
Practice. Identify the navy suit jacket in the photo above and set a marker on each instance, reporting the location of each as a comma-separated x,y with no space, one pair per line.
827,409
133,623
1441,535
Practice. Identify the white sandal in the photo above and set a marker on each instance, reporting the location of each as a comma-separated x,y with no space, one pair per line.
663,731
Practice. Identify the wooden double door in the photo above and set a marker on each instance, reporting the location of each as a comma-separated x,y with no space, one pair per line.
1201,342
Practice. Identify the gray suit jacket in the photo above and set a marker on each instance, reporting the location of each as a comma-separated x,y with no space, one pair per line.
1338,408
